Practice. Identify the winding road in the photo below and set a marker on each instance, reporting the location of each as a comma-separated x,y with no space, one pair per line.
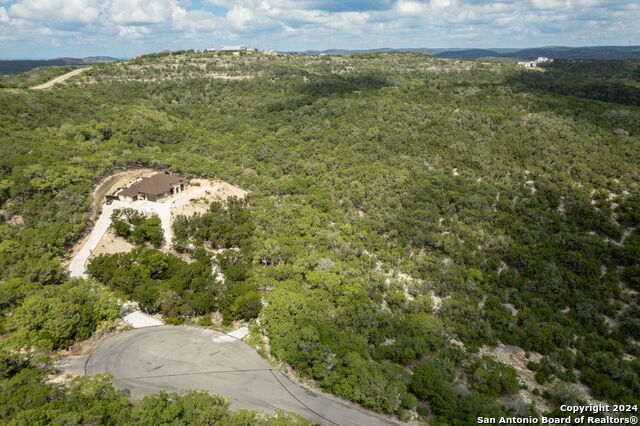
176,359
60,79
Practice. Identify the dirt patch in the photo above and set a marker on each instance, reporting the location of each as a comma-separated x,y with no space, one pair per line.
200,194
111,244
62,379
87,347
189,207
514,357
183,256
12,219
71,364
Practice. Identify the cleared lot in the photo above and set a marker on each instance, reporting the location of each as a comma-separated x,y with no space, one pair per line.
176,359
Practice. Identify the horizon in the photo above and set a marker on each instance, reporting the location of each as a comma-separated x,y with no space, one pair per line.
332,49
119,28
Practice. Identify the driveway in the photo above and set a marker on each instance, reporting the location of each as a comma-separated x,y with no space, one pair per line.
177,359
77,267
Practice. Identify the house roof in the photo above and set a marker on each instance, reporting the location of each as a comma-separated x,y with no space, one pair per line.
233,48
154,185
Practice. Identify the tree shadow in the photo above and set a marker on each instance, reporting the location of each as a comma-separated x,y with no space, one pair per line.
315,87
338,85
578,85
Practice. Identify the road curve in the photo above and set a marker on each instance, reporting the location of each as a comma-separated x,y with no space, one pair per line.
177,359
60,79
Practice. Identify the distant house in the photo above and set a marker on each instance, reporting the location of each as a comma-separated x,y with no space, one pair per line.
234,49
210,50
154,188
534,64
137,57
272,52
167,51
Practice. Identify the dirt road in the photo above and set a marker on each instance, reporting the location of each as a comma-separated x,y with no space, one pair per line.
176,359
60,79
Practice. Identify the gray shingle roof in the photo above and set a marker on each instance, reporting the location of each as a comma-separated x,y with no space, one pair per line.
154,185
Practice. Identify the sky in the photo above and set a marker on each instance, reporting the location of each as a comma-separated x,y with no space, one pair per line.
122,28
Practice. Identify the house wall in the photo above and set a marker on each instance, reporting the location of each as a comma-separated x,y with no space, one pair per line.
176,189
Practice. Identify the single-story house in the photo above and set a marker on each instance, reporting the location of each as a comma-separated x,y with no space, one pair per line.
234,49
154,188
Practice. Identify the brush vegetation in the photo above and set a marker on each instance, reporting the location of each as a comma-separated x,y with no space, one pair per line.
406,213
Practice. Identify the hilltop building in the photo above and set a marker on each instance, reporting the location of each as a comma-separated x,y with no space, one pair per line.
210,50
152,188
236,50
534,64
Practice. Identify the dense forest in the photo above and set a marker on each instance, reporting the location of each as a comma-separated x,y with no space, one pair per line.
406,215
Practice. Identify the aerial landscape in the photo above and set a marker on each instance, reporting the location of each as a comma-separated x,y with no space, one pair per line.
302,225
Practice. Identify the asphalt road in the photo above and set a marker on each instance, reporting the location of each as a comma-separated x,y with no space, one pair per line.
176,359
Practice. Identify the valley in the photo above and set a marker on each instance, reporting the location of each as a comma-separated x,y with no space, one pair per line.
430,239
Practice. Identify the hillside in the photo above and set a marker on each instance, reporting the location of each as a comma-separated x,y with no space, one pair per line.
432,239
596,52
555,52
23,65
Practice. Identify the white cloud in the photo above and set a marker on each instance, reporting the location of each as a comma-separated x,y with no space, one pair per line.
61,11
441,3
139,12
240,16
549,4
102,12
133,31
405,7
198,21
317,24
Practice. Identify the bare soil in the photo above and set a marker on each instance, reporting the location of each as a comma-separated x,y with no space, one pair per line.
111,244
197,198
514,357
87,347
